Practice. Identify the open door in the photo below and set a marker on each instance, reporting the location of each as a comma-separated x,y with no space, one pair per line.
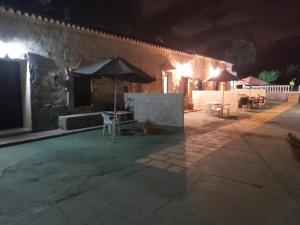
11,115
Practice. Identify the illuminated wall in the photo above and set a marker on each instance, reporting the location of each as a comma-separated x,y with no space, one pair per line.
60,45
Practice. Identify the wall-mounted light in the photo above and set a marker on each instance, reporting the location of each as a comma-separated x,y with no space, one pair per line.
184,70
13,50
213,72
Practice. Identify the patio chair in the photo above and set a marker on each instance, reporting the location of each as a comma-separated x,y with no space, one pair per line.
108,123
253,103
261,101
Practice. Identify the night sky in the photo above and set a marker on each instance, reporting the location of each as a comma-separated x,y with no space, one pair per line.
206,27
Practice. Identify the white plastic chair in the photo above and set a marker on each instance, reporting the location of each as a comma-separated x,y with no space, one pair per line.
108,123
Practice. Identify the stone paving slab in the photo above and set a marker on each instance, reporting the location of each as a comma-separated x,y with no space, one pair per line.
199,146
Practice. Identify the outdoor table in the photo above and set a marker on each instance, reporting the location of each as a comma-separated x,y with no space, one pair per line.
210,105
121,115
253,103
243,100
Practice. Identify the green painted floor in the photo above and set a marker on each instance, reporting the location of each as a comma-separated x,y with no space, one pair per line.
234,172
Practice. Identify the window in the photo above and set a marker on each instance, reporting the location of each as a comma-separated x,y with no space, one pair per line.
167,82
82,91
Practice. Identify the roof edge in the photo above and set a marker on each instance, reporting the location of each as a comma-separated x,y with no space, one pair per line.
49,20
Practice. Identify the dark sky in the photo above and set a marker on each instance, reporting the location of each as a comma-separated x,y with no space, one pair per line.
203,26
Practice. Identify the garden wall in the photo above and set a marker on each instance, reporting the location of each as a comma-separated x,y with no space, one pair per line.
201,98
161,109
277,97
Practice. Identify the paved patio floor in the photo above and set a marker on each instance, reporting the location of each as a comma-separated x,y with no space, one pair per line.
214,172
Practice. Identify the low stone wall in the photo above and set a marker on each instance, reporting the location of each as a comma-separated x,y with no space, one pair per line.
277,97
201,98
293,97
78,121
160,109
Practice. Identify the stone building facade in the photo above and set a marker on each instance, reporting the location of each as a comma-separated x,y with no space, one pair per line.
48,50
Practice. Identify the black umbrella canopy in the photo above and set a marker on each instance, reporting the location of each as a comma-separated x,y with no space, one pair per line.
115,68
224,76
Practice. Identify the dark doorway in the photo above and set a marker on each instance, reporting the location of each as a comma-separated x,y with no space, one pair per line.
184,85
10,95
82,92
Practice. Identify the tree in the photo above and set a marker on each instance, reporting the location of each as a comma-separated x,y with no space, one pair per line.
242,54
292,72
269,76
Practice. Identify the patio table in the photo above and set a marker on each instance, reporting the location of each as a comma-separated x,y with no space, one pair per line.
211,105
121,115
217,108
253,102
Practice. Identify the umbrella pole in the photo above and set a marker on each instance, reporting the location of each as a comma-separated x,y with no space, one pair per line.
223,93
115,113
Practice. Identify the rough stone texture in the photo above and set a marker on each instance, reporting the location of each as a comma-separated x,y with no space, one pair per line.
200,99
160,109
68,45
48,97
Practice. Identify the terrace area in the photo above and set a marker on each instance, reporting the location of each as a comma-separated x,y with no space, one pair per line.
214,171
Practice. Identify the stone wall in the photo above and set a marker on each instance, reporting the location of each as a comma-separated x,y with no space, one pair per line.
201,98
160,109
48,97
66,45
277,97
293,97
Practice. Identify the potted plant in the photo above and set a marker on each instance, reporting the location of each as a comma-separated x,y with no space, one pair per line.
147,127
295,143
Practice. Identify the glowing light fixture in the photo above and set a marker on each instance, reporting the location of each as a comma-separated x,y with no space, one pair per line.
184,70
214,72
2,50
13,50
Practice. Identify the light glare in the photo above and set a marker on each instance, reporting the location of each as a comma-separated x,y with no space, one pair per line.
184,70
214,72
12,50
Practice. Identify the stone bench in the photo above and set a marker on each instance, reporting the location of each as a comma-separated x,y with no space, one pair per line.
77,121
83,120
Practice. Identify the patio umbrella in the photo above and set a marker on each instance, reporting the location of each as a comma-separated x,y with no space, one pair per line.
223,77
115,69
251,81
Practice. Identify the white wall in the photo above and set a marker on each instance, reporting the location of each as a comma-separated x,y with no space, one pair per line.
201,98
160,109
